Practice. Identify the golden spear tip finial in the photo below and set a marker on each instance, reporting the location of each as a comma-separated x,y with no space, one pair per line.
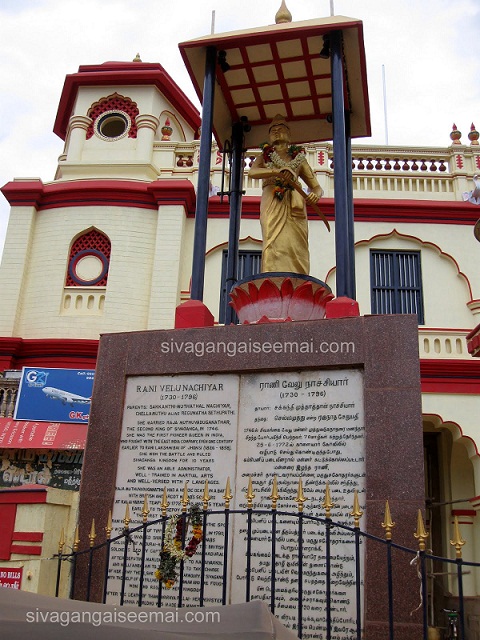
92,535
146,509
283,14
164,504
327,504
356,512
274,494
420,534
185,499
137,58
457,541
76,538
300,499
61,542
109,526
250,495
227,496
388,523
206,496
126,519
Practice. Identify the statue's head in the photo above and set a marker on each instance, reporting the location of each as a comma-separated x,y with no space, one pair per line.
279,130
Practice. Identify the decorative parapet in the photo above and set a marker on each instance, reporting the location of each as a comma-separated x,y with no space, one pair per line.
393,172
443,344
83,301
419,173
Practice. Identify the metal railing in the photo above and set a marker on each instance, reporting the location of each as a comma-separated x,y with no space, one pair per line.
305,584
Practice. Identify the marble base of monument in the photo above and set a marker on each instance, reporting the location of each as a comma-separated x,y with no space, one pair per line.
280,297
260,400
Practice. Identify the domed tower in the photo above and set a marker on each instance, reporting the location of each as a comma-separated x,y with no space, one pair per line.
100,249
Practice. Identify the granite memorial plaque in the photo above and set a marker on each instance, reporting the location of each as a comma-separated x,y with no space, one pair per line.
309,425
176,430
306,424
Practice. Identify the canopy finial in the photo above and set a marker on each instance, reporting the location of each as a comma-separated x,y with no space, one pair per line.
283,14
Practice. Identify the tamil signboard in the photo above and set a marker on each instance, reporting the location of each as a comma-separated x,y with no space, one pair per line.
54,395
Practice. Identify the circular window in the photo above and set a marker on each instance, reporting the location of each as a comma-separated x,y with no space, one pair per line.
88,267
112,125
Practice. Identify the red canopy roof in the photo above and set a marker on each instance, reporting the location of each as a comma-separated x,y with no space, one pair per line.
277,69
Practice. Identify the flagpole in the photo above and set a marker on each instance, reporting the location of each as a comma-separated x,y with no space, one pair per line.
385,104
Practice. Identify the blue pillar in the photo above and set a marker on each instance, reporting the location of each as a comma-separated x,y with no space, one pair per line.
236,180
343,238
203,188
351,233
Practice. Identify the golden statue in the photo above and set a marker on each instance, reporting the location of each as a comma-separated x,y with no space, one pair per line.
283,214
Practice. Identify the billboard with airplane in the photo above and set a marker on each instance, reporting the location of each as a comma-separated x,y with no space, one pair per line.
54,395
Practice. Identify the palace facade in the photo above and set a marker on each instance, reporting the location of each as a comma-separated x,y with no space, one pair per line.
107,246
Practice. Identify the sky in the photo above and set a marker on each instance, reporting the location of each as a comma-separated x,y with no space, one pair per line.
429,51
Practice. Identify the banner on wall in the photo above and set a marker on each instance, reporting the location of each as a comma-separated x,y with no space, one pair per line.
57,469
17,434
54,395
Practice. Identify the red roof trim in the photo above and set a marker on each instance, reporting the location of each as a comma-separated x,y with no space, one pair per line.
16,353
173,192
127,193
435,374
252,36
83,193
420,211
123,73
374,210
26,193
450,376
363,66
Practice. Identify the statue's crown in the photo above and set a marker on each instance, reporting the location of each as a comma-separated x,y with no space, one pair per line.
279,119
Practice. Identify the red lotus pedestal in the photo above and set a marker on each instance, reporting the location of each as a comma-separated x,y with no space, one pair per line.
279,297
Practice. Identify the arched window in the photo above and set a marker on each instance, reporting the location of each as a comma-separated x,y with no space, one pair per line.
89,260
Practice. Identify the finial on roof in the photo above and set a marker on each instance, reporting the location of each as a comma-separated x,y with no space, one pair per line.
137,58
473,135
455,135
283,14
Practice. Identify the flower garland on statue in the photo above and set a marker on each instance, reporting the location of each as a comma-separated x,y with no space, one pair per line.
172,551
274,161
